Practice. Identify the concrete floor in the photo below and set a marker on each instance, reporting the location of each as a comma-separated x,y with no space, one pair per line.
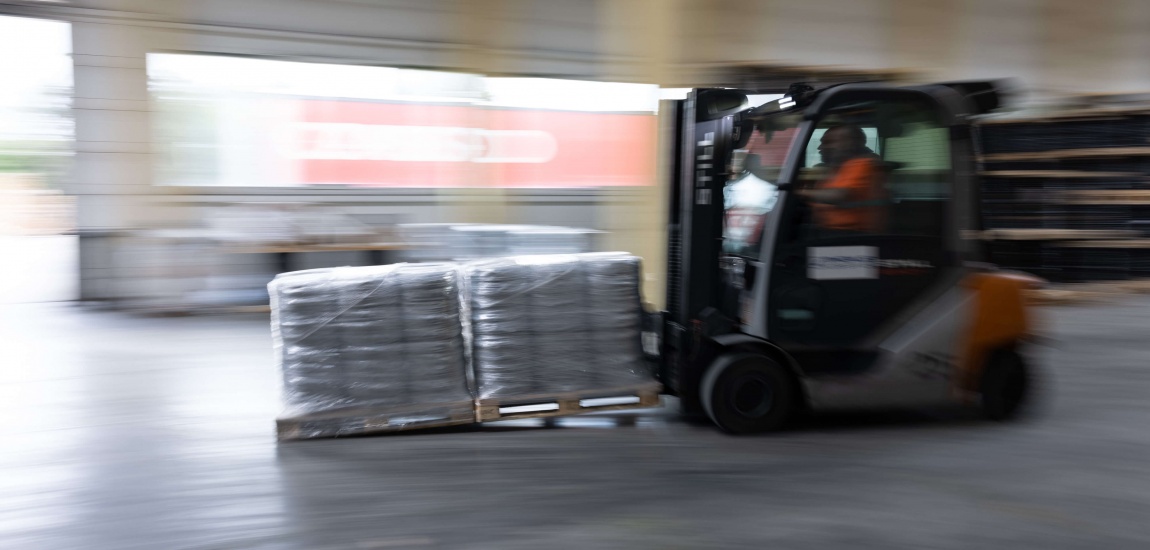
125,432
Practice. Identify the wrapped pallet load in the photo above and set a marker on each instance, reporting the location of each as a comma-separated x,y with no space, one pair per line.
556,325
366,349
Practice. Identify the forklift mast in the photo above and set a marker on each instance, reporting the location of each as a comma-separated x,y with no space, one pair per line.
703,143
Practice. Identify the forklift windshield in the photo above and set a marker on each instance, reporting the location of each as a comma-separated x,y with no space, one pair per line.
751,193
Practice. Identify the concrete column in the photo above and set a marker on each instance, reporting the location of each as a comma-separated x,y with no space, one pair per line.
485,31
646,31
112,168
112,174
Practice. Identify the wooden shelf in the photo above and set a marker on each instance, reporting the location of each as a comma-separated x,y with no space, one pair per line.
1122,243
1080,292
1118,197
370,420
1101,113
1055,234
1100,152
567,403
1056,174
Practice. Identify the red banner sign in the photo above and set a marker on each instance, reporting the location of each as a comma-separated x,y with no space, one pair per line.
413,145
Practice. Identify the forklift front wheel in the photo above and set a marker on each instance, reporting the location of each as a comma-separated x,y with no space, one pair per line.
748,393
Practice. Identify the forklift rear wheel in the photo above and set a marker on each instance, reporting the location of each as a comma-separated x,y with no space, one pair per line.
748,393
1005,385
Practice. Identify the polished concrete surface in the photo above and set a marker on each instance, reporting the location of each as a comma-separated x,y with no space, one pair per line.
126,432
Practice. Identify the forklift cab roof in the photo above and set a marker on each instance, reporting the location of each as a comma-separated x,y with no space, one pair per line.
979,97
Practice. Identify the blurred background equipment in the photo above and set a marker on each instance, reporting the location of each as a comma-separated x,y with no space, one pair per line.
229,262
1065,191
535,115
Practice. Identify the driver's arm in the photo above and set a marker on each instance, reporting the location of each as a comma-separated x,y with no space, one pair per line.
845,188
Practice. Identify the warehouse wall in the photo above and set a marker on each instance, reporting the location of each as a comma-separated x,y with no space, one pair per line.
1052,46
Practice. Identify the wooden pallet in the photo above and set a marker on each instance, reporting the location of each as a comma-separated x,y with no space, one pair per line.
369,420
566,404
1059,154
1056,174
1071,115
1117,197
1119,244
1055,234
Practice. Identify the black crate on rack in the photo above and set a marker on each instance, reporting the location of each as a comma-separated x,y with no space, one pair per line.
1142,227
1136,131
1072,173
1019,165
1013,188
1140,220
1010,202
1014,214
1013,137
1028,256
1132,165
1094,133
1106,183
1082,264
1109,217
1139,262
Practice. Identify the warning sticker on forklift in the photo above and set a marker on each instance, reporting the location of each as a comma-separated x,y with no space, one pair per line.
842,262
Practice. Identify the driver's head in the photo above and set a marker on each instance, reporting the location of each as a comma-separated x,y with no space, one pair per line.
842,143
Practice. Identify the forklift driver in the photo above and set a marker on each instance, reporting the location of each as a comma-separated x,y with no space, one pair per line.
851,197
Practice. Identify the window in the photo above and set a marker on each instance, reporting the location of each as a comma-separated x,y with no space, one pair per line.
229,121
877,167
812,157
751,193
36,128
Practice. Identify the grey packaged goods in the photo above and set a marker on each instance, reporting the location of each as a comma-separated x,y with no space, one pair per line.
556,323
466,241
370,348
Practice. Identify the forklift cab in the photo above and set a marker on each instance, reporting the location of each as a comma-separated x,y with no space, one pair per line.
815,253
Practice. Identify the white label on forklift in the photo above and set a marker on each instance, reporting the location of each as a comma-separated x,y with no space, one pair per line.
842,262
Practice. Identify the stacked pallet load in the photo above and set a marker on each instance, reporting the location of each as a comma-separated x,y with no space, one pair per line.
557,335
397,347
1067,196
370,349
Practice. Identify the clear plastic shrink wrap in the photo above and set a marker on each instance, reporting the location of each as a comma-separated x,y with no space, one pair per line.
361,339
557,323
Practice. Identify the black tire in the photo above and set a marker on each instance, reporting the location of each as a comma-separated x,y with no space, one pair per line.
1005,386
748,393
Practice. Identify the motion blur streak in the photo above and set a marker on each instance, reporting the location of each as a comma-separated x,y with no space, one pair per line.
162,160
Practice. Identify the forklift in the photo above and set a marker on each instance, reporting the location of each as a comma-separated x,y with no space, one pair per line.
772,311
